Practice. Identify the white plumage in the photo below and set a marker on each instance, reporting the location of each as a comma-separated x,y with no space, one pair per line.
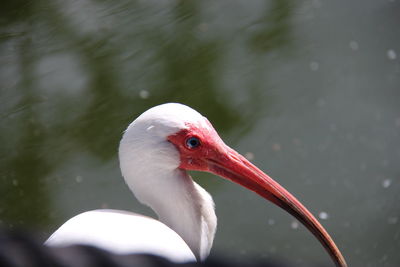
122,232
149,165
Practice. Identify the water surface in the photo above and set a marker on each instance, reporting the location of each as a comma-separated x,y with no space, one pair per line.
308,89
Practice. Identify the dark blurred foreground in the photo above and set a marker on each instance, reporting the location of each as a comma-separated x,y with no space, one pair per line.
18,249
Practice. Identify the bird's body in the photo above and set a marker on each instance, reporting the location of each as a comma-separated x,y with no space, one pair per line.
155,153
122,232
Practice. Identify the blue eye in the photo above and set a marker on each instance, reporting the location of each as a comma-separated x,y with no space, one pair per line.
192,142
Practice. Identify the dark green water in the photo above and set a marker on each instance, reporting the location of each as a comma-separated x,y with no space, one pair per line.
310,89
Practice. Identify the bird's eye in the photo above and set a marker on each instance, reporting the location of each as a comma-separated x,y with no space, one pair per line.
192,142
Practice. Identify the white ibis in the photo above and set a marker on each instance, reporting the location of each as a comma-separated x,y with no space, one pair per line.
155,153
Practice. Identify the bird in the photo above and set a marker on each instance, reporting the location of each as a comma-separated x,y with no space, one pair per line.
155,154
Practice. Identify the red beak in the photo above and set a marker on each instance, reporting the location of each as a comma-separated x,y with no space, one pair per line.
233,166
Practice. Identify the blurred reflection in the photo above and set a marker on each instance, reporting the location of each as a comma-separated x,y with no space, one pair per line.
24,165
75,78
309,89
273,29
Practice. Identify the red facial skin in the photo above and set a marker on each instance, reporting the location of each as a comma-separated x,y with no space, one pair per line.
212,155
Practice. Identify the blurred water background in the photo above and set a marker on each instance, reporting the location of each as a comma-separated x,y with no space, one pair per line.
308,90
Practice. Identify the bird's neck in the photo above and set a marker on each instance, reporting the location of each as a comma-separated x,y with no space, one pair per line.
150,169
189,211
181,204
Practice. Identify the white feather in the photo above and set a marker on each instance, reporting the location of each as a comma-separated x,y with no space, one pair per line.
122,232
149,165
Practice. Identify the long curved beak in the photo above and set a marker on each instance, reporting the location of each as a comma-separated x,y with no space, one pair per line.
231,165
